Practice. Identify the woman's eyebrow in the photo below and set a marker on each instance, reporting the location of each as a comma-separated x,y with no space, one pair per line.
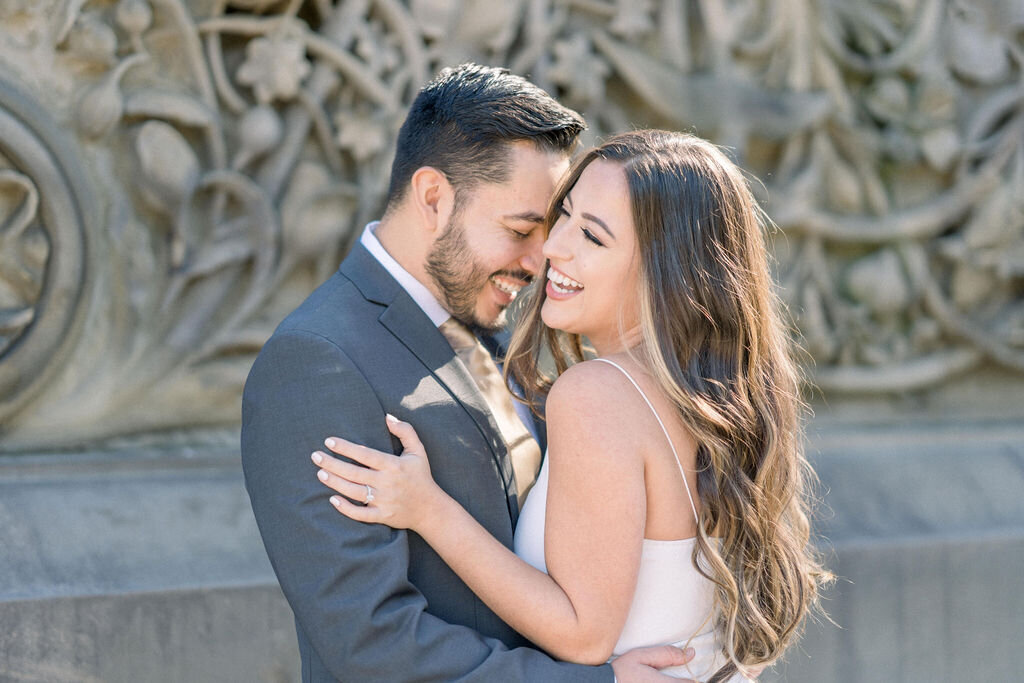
594,219
590,217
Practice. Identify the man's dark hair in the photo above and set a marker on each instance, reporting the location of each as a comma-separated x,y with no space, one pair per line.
462,122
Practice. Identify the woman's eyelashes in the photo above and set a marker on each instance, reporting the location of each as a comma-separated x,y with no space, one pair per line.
589,236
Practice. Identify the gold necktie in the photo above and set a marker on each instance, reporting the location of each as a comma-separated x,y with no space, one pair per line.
522,447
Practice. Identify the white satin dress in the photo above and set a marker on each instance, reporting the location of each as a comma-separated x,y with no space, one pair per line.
673,602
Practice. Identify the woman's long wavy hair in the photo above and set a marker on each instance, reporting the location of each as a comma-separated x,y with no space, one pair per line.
713,337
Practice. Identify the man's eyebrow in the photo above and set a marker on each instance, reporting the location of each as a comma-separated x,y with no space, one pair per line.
528,216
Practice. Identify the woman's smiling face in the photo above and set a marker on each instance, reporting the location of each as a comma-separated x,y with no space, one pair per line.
591,286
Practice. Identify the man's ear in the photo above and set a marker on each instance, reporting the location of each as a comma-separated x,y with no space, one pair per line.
433,197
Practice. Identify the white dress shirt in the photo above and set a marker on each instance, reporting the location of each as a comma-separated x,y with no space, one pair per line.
416,289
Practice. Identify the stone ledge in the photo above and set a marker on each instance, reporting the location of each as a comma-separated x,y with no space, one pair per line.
927,536
945,610
147,565
212,634
136,566
114,524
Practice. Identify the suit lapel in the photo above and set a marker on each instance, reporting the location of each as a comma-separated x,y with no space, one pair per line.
407,321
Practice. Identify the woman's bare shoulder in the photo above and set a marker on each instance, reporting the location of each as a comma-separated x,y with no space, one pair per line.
592,380
597,402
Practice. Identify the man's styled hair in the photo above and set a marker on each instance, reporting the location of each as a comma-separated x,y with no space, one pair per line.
462,122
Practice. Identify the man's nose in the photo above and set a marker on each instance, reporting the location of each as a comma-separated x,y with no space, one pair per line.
533,258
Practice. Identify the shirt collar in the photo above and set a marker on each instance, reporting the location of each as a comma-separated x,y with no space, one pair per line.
413,287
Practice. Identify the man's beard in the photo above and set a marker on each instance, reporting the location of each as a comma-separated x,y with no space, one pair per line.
460,278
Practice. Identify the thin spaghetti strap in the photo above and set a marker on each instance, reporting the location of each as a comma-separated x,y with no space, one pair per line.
663,429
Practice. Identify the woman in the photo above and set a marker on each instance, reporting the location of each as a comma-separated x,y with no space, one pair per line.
671,507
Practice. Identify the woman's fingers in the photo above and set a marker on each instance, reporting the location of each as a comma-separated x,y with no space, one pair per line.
359,513
345,470
365,455
349,489
406,434
379,487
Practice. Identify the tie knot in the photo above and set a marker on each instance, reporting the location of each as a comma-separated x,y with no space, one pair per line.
458,335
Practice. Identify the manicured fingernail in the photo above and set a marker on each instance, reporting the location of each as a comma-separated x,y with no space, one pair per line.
335,501
688,652
318,457
391,418
329,443
322,475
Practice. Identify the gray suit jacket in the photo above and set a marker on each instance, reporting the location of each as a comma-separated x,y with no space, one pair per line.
372,603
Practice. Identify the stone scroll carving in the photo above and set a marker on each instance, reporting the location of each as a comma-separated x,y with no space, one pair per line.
176,175
42,248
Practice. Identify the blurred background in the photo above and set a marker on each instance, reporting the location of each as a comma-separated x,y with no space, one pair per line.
177,175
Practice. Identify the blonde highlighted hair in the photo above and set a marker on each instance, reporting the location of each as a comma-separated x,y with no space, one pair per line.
713,338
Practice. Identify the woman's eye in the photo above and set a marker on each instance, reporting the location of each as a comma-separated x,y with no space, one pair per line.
590,236
562,210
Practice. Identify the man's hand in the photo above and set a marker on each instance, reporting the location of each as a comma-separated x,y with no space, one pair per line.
643,665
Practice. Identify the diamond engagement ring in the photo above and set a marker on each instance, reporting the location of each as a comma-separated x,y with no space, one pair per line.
369,494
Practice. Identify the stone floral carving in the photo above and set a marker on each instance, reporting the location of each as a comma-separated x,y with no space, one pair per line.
214,159
275,66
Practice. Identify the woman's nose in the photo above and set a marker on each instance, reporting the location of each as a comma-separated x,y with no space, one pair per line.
555,247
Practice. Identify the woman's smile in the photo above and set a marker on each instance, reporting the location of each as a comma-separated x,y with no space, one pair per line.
560,286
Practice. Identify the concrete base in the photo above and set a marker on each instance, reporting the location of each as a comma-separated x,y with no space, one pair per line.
146,565
213,635
919,610
137,565
926,527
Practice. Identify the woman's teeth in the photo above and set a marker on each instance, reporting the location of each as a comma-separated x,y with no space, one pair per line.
563,284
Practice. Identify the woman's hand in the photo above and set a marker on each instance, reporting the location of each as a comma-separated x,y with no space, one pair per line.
396,490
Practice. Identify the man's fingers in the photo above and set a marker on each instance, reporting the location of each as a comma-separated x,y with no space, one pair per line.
361,454
665,656
645,665
406,434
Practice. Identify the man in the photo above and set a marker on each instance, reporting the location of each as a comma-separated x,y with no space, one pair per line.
477,160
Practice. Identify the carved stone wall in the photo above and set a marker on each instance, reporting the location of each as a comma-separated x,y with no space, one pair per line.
176,175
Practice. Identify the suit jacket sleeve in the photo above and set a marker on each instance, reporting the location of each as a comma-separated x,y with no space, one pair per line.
346,581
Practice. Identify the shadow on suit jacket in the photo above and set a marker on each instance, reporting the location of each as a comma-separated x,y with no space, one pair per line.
372,603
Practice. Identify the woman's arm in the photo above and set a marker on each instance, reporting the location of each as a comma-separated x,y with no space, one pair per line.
594,527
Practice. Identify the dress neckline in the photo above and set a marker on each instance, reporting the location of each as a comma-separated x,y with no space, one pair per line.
672,541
